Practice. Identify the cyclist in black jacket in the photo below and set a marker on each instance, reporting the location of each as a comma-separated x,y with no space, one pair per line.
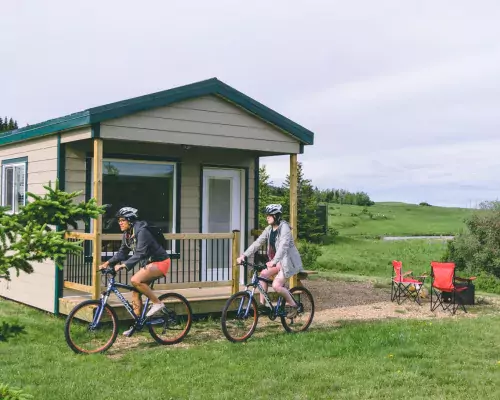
146,251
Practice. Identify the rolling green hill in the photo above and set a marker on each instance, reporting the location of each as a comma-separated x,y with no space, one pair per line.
358,250
396,219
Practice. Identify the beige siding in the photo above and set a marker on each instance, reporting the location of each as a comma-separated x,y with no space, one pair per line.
205,121
42,161
36,289
77,134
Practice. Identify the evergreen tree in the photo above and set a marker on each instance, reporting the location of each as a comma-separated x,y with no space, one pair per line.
7,124
264,194
308,228
27,237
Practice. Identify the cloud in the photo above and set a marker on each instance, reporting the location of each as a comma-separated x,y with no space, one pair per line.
402,96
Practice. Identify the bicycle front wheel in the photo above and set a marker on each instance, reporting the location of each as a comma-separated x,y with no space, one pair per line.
239,317
174,323
88,330
305,312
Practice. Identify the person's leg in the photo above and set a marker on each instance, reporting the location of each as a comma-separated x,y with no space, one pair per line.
137,303
143,277
141,280
279,286
267,273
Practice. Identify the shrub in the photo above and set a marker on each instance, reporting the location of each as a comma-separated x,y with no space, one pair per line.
487,283
309,252
8,393
476,250
425,204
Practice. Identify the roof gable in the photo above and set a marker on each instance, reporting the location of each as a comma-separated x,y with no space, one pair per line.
126,107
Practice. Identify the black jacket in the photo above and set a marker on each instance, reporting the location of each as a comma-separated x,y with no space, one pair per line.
143,245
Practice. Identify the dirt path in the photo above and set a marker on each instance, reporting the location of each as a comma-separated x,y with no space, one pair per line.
335,302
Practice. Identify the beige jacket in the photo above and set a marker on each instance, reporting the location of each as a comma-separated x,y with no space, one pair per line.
286,252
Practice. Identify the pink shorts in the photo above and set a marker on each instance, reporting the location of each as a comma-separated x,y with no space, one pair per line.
163,266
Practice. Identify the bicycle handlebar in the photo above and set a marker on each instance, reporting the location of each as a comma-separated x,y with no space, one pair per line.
108,270
257,267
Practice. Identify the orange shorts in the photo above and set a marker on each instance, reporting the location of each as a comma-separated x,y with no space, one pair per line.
163,266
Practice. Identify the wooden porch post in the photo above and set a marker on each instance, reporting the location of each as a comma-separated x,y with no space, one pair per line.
293,205
236,268
97,242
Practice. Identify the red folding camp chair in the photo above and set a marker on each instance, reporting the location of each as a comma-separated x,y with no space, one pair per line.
448,290
404,285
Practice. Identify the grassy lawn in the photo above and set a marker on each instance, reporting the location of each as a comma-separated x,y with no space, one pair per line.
396,219
372,257
444,359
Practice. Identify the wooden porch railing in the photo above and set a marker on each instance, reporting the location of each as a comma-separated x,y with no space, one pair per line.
197,260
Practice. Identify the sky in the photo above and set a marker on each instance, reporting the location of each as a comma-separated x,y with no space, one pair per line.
403,96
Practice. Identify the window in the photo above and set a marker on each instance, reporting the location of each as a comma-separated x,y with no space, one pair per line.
14,184
148,186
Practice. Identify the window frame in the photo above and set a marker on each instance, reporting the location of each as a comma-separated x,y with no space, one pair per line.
147,161
13,163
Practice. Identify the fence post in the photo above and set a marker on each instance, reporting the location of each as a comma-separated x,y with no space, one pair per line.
236,268
97,240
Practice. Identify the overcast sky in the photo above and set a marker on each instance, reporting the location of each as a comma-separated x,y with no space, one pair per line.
403,96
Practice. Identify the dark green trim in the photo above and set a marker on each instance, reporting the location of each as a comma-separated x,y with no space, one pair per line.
119,109
61,177
178,189
301,148
45,128
247,189
200,215
256,192
95,130
15,160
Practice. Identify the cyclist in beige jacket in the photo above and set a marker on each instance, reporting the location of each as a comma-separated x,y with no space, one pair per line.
284,258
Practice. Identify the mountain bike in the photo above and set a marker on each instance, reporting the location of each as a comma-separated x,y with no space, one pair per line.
240,313
92,326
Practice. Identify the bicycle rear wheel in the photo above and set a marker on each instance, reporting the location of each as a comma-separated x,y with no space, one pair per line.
172,326
238,324
305,313
87,332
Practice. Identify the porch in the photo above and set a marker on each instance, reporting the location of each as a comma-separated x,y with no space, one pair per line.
203,264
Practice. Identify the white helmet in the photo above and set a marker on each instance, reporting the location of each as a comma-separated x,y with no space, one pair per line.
273,209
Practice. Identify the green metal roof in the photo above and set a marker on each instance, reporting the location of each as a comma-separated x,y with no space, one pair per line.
126,107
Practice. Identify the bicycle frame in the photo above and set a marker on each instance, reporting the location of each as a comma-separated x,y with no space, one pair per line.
113,288
277,311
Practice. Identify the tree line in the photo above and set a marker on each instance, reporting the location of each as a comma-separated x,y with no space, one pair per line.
7,124
336,196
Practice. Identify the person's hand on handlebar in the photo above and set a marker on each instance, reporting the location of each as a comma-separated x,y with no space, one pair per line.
116,268
240,259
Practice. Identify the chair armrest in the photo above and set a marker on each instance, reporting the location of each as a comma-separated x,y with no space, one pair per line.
457,278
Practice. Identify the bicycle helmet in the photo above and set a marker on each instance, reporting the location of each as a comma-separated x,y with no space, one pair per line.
129,213
275,210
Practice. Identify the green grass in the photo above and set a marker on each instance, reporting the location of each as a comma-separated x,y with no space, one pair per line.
372,257
396,219
445,359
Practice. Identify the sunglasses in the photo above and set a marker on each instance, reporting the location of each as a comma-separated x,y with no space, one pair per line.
122,220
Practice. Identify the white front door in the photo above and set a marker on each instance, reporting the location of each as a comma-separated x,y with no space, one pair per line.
222,212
